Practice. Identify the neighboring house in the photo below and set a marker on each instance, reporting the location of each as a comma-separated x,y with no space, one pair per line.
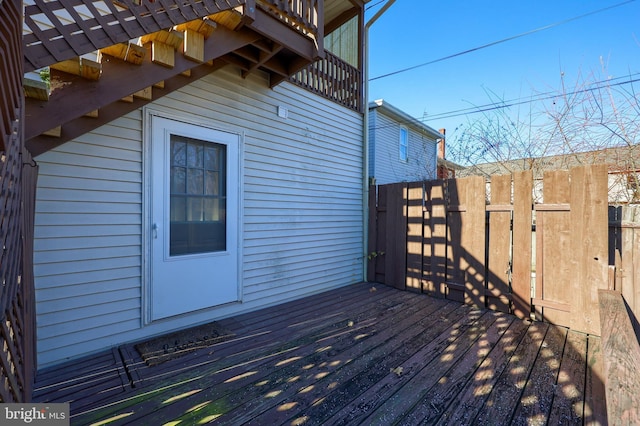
623,164
401,148
197,172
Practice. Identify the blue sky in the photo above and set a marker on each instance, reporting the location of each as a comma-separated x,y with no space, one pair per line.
413,32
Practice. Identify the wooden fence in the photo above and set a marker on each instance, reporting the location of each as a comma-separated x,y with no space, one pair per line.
18,174
449,239
624,253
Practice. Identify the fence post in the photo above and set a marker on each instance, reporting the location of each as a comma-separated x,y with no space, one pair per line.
373,234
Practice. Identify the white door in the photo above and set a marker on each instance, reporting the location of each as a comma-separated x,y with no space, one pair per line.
194,217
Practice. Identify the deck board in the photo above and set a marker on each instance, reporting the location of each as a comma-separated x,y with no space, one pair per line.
353,355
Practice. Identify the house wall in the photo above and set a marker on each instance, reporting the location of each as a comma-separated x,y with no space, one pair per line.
301,216
384,157
343,42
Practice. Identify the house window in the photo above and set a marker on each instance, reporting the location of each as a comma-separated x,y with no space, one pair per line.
197,196
404,144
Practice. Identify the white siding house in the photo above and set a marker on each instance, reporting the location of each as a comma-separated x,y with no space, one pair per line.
297,222
401,148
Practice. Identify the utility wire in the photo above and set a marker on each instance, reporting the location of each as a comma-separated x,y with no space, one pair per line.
374,5
535,98
507,105
519,101
484,46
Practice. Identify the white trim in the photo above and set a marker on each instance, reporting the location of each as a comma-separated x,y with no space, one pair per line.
147,116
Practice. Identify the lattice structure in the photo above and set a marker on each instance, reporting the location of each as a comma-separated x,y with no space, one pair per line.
77,27
17,195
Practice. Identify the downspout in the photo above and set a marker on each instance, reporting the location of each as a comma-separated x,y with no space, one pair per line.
365,132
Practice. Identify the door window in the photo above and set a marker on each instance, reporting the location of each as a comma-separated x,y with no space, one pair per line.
197,196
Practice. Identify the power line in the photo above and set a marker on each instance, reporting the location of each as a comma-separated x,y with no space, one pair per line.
484,46
534,98
507,105
521,101
374,5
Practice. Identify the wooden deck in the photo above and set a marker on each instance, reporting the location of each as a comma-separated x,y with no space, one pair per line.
362,354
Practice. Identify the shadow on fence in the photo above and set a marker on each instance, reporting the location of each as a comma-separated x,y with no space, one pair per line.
488,245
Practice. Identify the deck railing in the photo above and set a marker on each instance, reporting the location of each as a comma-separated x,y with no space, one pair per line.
333,79
302,14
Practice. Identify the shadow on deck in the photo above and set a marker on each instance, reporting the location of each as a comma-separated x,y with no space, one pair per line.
365,353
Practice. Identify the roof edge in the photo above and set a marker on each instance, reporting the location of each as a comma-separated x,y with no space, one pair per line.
402,116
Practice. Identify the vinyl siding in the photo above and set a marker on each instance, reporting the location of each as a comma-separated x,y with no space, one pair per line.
384,162
301,212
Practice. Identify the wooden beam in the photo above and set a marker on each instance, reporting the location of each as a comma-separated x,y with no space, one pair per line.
81,125
205,26
146,93
75,97
89,68
621,354
282,34
55,132
128,52
193,46
264,57
35,87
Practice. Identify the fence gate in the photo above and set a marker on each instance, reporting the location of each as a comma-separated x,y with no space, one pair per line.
449,238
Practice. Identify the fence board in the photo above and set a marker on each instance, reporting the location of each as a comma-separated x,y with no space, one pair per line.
589,225
381,235
454,278
475,241
629,284
499,237
466,224
435,239
553,245
396,226
522,251
414,239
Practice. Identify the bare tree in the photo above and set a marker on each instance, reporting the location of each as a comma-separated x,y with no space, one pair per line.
594,120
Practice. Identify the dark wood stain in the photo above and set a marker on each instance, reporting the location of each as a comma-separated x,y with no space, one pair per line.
361,354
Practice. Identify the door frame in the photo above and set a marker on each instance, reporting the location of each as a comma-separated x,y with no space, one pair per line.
147,192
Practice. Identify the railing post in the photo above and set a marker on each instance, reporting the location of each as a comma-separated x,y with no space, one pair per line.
250,10
319,24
